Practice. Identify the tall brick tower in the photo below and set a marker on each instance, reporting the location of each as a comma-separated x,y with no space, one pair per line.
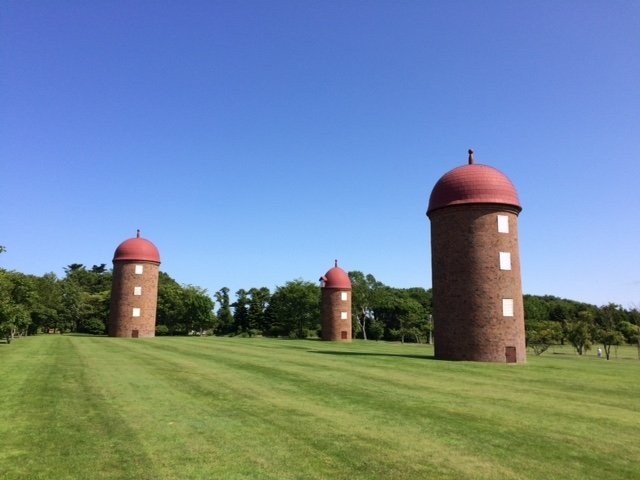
477,288
335,306
134,292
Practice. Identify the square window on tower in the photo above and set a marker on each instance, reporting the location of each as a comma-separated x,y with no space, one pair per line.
344,296
139,269
507,307
344,315
505,261
137,290
503,224
136,312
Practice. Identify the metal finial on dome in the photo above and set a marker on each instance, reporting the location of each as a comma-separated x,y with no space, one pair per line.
471,159
335,263
138,233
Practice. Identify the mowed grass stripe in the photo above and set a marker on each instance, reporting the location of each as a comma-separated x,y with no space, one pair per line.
445,389
184,433
260,408
309,412
490,431
61,426
306,425
14,371
545,439
238,422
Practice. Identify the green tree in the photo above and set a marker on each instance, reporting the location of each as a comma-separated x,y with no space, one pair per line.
6,305
631,328
240,311
170,309
96,280
608,325
580,331
73,267
17,298
94,326
631,332
542,334
85,298
99,269
259,300
197,308
406,318
45,314
94,312
536,309
183,310
560,312
71,315
225,316
376,329
13,319
424,328
363,292
404,313
294,310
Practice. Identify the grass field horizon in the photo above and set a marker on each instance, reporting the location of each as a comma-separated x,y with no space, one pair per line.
81,407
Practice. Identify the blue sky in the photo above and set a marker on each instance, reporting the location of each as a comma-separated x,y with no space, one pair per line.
255,141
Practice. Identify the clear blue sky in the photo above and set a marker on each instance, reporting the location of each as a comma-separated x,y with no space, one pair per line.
255,141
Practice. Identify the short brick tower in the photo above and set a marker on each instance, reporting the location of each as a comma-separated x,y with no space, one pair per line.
134,293
478,312
335,305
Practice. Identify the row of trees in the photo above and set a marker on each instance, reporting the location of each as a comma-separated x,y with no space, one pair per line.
79,302
293,310
550,320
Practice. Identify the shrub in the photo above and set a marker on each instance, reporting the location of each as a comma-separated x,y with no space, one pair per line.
162,330
94,327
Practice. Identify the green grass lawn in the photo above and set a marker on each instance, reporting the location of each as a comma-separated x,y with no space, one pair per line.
75,407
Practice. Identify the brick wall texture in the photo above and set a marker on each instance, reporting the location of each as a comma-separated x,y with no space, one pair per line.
334,328
122,323
469,286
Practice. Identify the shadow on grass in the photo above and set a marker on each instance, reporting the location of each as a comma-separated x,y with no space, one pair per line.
372,354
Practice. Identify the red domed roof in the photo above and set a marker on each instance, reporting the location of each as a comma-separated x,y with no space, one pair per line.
336,278
139,249
473,183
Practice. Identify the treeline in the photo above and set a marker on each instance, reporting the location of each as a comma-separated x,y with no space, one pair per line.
293,310
551,320
79,302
